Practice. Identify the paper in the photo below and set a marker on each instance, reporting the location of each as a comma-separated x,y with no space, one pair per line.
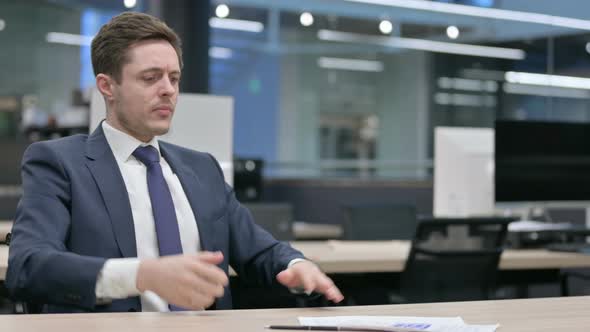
427,324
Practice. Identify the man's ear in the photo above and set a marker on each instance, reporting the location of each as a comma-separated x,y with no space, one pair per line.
104,83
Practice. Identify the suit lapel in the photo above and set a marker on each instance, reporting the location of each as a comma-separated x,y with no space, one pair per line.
103,166
194,192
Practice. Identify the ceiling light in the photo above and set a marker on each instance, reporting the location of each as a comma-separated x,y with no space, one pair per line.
129,3
423,45
222,11
231,24
306,19
350,64
68,39
465,84
588,47
545,91
453,32
487,13
220,53
461,99
385,27
548,80
2,24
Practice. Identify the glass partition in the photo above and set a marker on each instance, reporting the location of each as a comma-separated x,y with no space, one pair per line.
326,88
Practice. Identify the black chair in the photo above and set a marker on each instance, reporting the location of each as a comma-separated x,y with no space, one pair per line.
567,278
453,259
276,218
379,222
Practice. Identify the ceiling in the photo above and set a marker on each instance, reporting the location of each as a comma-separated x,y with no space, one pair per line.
362,17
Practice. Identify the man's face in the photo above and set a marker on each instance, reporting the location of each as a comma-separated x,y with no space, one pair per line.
143,102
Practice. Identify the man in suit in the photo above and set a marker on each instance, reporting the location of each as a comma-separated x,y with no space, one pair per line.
120,221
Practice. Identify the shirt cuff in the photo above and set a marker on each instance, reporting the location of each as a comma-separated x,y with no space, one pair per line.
117,279
295,261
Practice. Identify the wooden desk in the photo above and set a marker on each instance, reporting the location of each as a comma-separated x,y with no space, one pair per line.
5,227
532,315
311,231
3,261
390,256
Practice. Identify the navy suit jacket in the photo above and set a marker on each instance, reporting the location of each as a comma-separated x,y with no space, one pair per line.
75,214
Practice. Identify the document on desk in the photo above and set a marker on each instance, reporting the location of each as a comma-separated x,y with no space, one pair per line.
427,324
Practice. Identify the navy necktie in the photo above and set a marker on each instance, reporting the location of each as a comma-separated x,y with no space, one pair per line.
162,205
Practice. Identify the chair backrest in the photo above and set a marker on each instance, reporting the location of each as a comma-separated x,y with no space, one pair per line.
453,259
276,218
379,222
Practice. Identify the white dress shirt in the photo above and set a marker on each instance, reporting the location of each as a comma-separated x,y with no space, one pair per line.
117,278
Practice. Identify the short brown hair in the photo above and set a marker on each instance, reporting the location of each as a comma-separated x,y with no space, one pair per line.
110,46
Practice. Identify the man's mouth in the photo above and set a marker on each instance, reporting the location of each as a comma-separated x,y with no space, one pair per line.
163,109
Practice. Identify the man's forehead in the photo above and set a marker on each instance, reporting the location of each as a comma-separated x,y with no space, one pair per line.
153,55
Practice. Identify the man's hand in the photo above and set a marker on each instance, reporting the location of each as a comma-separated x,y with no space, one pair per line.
307,275
187,281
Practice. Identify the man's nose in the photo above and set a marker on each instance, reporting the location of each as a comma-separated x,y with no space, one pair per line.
167,87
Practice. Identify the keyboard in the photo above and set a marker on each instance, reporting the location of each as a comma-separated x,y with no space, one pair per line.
570,247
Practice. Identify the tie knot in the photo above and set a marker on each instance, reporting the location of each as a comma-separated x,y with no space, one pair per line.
147,154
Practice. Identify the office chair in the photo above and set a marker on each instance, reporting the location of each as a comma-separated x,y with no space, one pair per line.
453,259
276,218
568,276
379,222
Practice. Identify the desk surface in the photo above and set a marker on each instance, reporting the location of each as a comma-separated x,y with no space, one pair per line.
533,315
390,256
5,227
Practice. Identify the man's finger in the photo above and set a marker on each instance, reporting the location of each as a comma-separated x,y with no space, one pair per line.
287,279
211,257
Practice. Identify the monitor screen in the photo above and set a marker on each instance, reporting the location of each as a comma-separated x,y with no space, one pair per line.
542,161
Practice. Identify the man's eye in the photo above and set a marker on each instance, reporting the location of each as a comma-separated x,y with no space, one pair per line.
149,78
174,80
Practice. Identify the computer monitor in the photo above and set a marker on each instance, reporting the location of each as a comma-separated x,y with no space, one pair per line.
276,218
544,163
463,172
248,179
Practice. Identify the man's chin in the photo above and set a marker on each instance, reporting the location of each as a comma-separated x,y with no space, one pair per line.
160,131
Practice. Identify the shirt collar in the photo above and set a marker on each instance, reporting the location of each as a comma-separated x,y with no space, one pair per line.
124,144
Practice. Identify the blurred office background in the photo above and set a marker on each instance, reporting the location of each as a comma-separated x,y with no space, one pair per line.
336,101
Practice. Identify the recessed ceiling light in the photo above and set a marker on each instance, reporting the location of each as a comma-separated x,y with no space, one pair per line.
587,46
453,32
306,19
2,24
385,27
222,11
129,3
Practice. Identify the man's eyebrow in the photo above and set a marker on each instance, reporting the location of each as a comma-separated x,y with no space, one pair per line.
152,69
158,70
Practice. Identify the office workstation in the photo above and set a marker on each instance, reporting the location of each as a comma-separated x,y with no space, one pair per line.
427,161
